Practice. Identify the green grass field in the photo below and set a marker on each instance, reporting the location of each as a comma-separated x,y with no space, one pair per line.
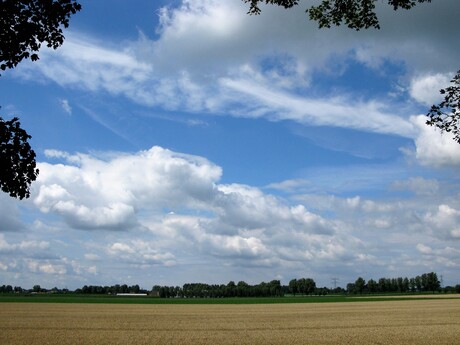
108,299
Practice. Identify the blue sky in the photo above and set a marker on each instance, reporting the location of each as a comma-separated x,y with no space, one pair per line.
185,141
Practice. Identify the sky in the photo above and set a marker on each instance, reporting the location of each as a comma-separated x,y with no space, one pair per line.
186,141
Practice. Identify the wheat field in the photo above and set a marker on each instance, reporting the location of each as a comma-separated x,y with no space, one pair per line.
391,322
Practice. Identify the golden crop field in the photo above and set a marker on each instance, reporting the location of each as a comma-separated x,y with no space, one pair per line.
391,322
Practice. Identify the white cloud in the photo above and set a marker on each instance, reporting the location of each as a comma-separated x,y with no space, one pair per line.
46,267
425,89
424,249
418,185
235,220
107,193
336,111
289,185
209,56
433,147
92,257
230,226
445,222
23,246
139,252
66,106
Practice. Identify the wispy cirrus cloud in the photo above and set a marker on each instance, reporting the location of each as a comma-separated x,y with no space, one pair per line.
209,56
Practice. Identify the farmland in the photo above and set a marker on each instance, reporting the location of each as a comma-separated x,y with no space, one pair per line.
417,321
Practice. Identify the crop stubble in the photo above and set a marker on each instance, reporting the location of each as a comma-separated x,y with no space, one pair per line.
392,322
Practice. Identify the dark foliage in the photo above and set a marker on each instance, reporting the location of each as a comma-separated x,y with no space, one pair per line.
26,24
356,14
446,115
17,159
427,282
200,290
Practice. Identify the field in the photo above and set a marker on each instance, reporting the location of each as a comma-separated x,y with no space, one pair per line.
428,321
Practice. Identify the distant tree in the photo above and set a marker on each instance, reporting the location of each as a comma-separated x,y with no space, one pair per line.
231,289
322,291
400,283
310,286
351,288
24,26
36,288
275,288
412,285
418,283
382,285
431,282
360,283
293,286
372,286
406,285
242,289
302,286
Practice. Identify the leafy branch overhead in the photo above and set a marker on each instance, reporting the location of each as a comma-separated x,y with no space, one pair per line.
446,115
356,14
17,159
26,24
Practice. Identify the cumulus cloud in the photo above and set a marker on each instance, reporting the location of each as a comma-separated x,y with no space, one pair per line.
209,56
108,193
433,147
23,246
46,267
445,222
232,225
425,89
231,220
98,193
139,252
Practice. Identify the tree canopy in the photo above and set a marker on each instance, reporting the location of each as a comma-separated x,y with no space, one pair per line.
356,14
446,115
17,159
24,26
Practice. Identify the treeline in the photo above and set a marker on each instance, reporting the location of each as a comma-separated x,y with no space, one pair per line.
200,290
427,282
109,290
35,289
